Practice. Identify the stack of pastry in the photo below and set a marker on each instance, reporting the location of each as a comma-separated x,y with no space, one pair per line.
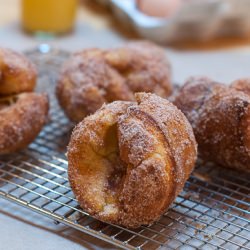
22,113
130,158
133,150
131,153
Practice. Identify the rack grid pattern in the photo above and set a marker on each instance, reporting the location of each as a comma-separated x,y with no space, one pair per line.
212,212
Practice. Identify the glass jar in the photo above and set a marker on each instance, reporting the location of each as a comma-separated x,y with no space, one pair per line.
48,16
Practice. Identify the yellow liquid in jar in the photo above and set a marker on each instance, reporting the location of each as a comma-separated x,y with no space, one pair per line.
55,16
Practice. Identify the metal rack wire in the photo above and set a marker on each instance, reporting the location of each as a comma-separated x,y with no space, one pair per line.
212,212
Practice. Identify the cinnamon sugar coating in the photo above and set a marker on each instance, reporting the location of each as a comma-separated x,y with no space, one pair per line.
17,73
22,114
242,85
129,160
96,76
21,119
220,117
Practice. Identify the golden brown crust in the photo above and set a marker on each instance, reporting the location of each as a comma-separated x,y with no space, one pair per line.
242,85
144,67
17,73
128,161
21,119
220,117
96,76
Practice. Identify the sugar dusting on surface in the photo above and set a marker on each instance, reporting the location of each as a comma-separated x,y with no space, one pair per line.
176,129
17,73
22,121
94,76
138,140
109,209
158,147
220,121
15,62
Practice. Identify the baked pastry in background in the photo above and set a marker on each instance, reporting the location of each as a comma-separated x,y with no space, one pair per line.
17,73
22,113
129,160
242,85
159,8
21,119
96,76
220,117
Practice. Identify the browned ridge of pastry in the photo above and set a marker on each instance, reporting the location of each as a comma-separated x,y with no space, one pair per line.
220,117
242,85
17,73
22,114
21,119
129,160
96,76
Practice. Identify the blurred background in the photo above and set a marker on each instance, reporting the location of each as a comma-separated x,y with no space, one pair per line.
201,37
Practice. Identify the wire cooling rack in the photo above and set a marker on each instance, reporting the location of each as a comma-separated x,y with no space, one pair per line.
212,212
